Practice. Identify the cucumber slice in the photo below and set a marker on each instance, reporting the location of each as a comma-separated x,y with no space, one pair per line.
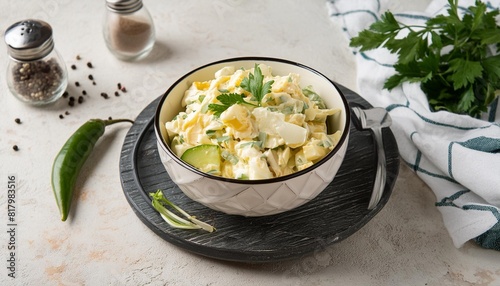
205,157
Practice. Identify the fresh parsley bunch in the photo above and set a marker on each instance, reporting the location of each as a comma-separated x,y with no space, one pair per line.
451,56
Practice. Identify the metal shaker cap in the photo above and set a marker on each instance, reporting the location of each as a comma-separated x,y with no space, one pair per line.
29,39
124,6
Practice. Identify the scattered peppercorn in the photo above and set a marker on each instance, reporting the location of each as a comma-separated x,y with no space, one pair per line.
84,92
77,83
93,83
73,67
110,118
78,57
67,112
119,86
65,94
17,120
91,77
80,99
89,64
61,116
71,98
123,89
15,147
117,93
71,103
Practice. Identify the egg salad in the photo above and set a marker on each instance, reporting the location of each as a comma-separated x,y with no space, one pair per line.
251,124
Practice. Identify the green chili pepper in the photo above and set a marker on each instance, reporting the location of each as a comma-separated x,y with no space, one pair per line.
71,158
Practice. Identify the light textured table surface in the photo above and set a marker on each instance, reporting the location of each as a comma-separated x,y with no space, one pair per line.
105,243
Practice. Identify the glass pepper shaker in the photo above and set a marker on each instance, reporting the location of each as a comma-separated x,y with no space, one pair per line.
36,73
128,29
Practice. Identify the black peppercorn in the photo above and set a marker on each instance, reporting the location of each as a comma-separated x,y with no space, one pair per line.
15,147
91,77
17,120
77,83
84,92
89,64
73,67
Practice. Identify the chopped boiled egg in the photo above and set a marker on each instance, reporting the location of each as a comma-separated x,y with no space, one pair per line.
273,123
239,122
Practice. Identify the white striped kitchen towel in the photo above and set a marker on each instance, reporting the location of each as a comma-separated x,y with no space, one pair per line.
456,155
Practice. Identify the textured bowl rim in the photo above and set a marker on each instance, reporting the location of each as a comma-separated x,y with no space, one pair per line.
167,149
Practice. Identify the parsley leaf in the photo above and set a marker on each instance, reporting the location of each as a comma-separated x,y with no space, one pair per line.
467,100
254,84
227,99
450,56
492,65
231,98
217,108
464,72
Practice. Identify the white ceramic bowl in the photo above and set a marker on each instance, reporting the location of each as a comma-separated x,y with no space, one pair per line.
253,197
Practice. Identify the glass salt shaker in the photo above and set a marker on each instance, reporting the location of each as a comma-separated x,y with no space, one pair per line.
128,29
36,73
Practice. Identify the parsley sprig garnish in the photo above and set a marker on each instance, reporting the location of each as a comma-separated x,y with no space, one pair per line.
449,55
253,84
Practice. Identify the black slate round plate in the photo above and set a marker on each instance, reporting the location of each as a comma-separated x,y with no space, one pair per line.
338,212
